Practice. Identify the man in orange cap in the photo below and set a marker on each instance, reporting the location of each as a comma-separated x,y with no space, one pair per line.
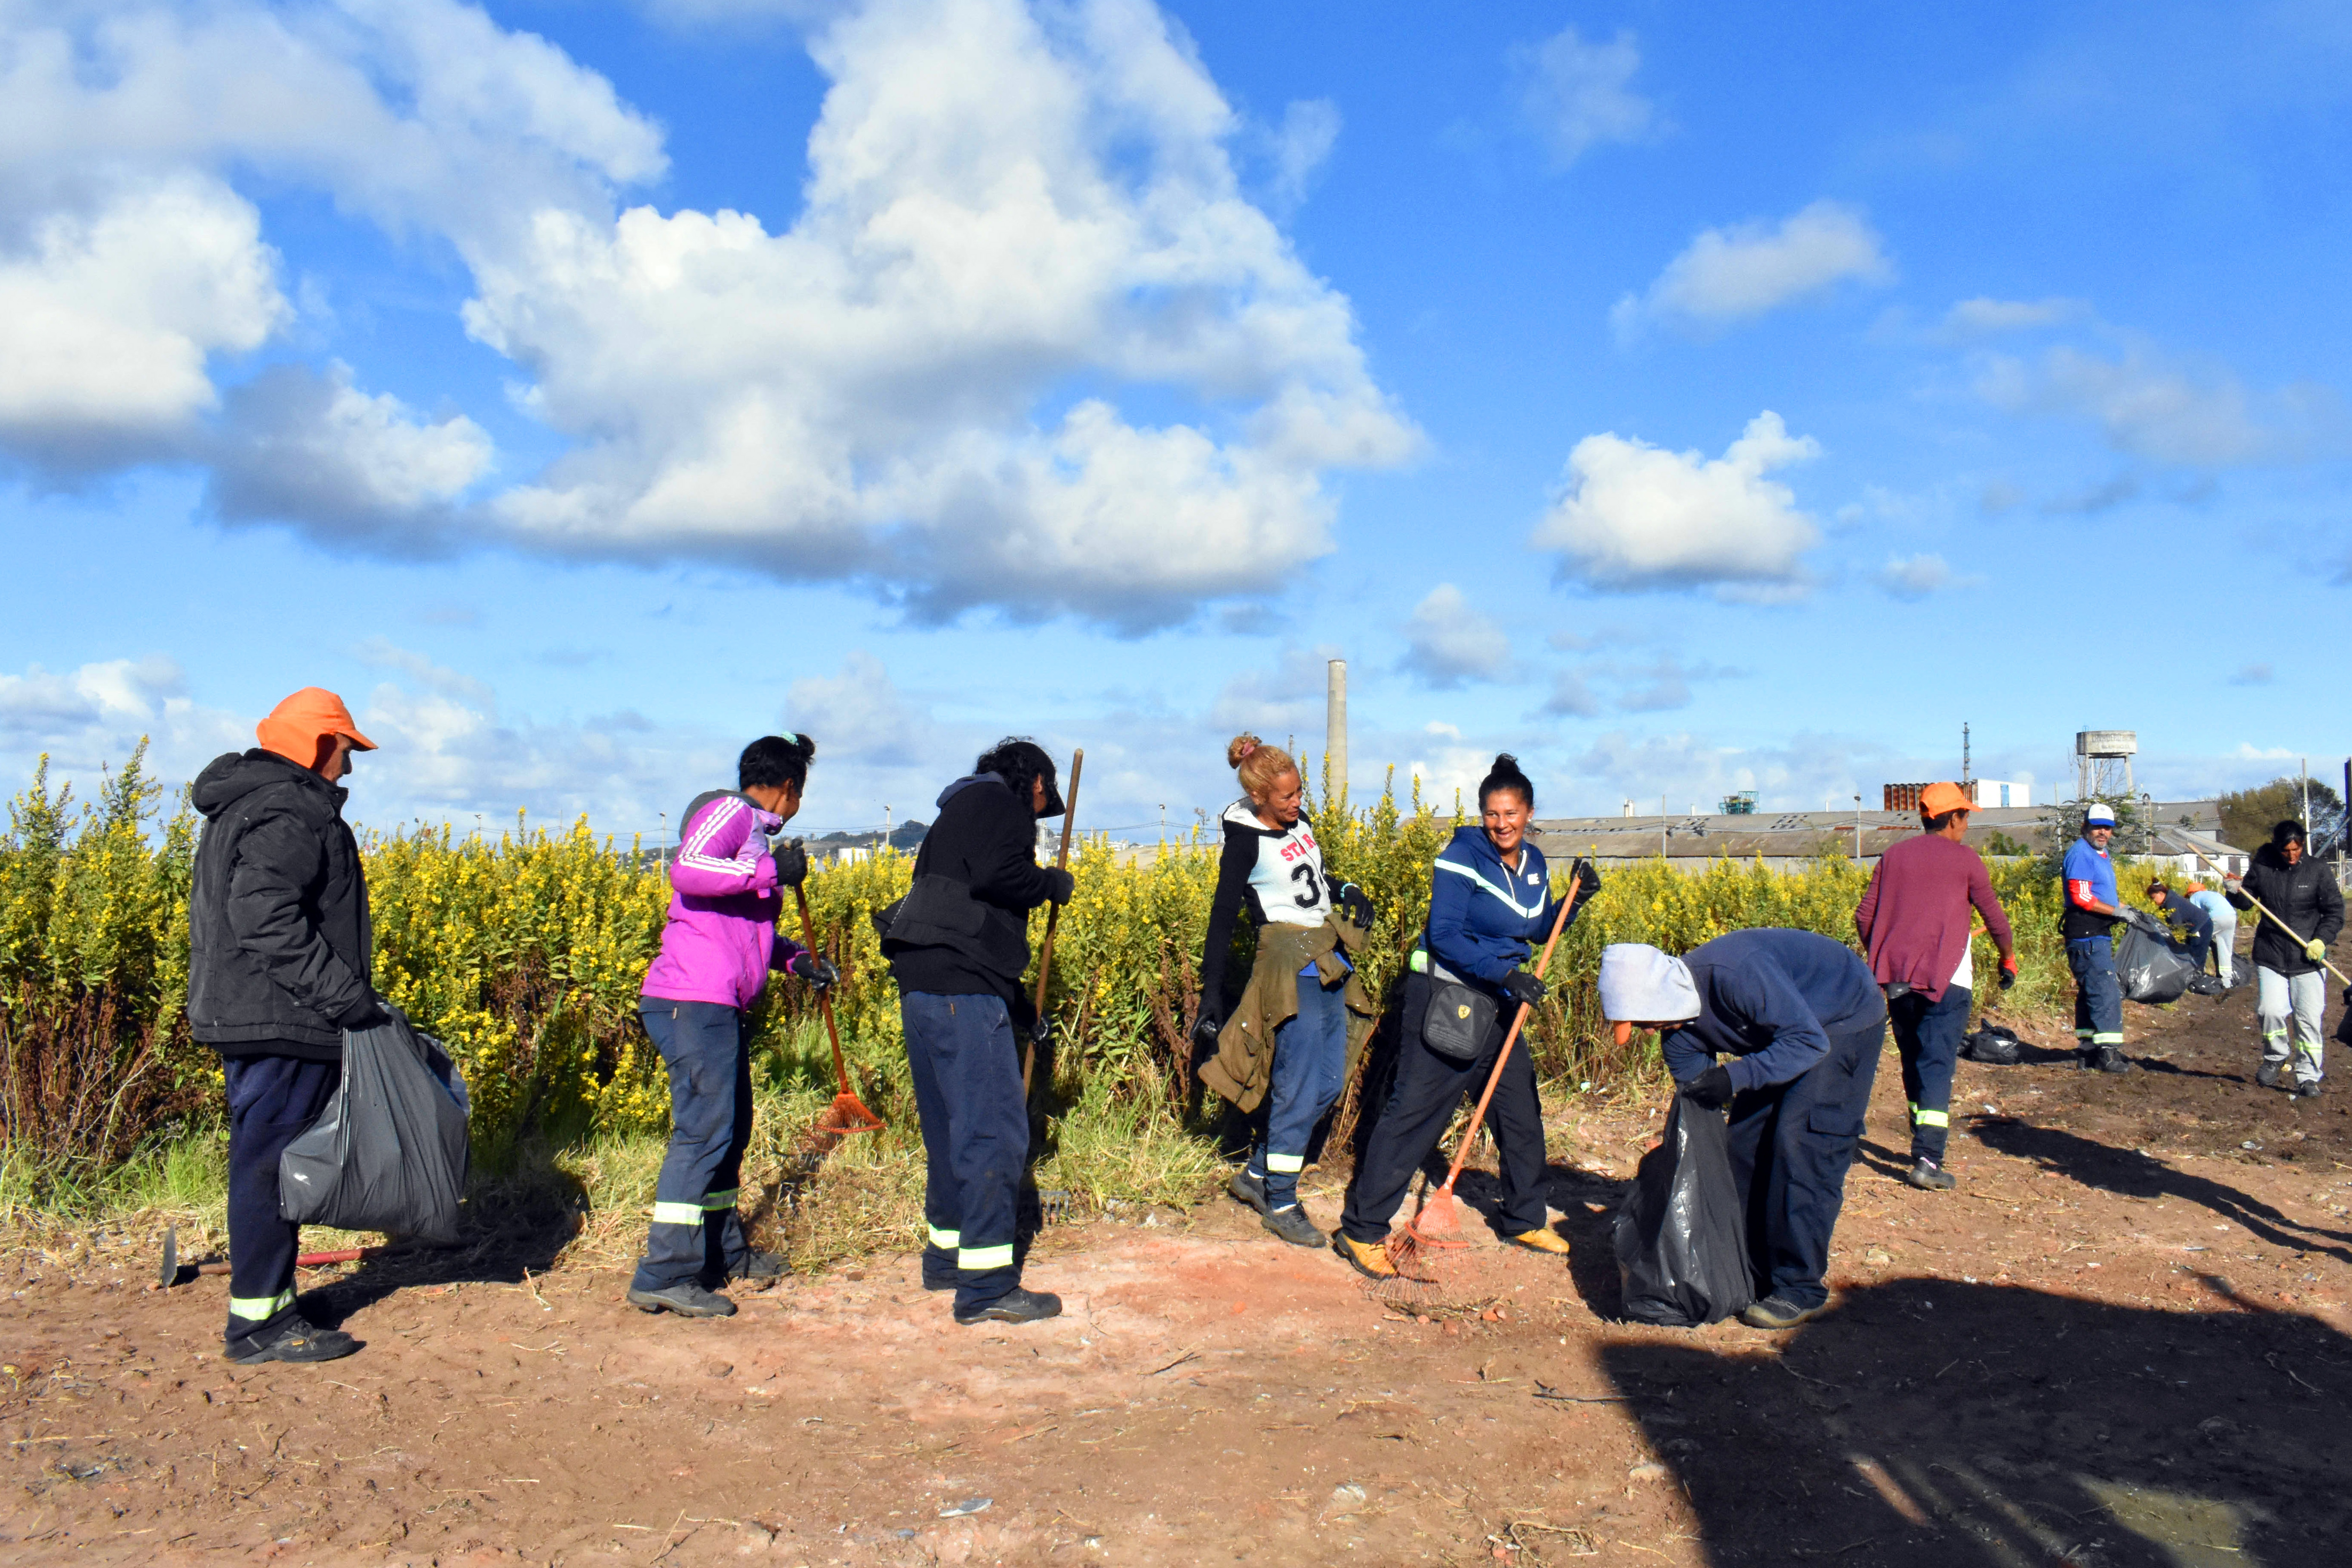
278,967
1913,921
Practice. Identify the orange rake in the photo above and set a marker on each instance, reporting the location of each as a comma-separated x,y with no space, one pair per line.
1438,1225
847,1113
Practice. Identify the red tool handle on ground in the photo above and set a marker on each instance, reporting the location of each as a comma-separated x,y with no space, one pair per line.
1054,915
824,998
1478,1117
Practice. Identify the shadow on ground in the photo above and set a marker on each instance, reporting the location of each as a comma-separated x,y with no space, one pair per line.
1936,1422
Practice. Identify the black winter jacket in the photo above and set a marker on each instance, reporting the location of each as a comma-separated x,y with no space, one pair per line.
986,841
2305,895
280,951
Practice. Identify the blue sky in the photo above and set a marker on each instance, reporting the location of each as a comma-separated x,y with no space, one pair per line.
1682,400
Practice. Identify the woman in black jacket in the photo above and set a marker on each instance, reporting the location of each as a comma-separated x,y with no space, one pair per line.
2290,987
1271,867
958,944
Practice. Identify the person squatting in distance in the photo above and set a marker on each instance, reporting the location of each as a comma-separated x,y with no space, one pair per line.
1287,1044
280,963
716,949
1490,901
958,945
1801,1018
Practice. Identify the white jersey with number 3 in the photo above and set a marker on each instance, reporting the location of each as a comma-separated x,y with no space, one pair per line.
1286,882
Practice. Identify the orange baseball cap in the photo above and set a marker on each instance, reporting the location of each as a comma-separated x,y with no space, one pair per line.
296,726
1940,798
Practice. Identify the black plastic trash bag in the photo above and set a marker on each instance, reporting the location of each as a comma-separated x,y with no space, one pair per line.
389,1152
1995,1045
1682,1253
2152,970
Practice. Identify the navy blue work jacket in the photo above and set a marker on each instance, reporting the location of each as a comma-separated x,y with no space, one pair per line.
1771,999
1483,917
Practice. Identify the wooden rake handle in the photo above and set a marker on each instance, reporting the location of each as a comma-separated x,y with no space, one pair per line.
1052,915
1518,1021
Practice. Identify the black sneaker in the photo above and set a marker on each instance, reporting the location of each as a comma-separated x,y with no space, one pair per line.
759,1266
1930,1177
1292,1224
2267,1075
1248,1190
1015,1306
2108,1058
2307,1089
293,1339
688,1301
1772,1312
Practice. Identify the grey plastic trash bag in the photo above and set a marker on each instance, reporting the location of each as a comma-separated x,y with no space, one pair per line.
1682,1256
2152,970
389,1152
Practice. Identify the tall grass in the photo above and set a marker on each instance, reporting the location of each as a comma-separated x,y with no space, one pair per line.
523,952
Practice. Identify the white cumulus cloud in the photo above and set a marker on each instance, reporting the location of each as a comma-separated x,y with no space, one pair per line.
1728,275
1576,94
1633,516
1914,576
316,449
1448,641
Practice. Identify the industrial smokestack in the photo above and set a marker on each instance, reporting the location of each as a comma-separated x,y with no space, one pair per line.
1335,726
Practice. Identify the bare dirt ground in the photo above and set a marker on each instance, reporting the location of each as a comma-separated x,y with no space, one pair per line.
2122,1341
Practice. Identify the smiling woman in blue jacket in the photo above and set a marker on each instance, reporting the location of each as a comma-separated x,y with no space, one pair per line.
1490,902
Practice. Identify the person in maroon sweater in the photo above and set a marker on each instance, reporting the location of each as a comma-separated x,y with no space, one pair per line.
1914,922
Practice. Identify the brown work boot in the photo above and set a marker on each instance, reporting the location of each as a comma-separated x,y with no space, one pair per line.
1543,1238
1369,1259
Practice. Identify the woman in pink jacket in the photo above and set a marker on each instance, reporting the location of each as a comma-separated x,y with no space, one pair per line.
726,890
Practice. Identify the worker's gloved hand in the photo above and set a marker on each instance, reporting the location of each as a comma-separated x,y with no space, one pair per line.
1040,1031
2315,950
1711,1089
2142,922
816,970
1523,987
792,860
367,1013
2009,972
1059,885
1588,879
1205,1030
1355,905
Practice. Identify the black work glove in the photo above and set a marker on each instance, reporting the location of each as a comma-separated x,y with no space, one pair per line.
1355,905
1523,987
1206,1029
816,970
792,860
2008,973
1040,1031
1059,885
1588,879
1711,1089
367,1013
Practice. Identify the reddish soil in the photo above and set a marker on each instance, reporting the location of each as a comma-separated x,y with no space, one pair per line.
2122,1341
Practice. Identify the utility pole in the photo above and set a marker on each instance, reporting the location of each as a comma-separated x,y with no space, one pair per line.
2305,764
1663,829
1857,830
1335,726
1964,761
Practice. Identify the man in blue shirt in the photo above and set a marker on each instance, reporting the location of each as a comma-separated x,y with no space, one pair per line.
2092,909
1801,1018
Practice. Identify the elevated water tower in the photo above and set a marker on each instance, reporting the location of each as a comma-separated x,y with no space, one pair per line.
2103,763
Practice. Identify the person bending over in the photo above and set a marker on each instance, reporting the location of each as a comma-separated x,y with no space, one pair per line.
717,950
1801,1018
958,944
1490,902
1286,1046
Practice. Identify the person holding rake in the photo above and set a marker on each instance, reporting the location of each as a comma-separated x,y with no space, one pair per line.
1490,900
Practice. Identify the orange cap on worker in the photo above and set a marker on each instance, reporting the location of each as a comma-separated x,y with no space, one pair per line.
1938,798
298,728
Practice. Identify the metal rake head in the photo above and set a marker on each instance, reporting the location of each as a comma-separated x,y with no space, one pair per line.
1053,1207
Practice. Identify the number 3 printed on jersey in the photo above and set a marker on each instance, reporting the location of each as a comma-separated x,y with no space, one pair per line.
1310,886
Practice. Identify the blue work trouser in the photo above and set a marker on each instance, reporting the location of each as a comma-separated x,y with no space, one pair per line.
1791,1145
697,1234
2098,993
967,1072
271,1100
1310,1052
2199,927
1428,1091
1927,1037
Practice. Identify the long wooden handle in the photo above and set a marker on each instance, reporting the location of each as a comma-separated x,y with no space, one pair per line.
1054,915
1478,1117
824,998
2264,908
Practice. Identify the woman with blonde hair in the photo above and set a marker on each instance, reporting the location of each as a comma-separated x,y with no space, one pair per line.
1283,1044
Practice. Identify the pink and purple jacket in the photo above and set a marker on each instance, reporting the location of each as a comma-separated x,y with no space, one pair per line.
722,939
